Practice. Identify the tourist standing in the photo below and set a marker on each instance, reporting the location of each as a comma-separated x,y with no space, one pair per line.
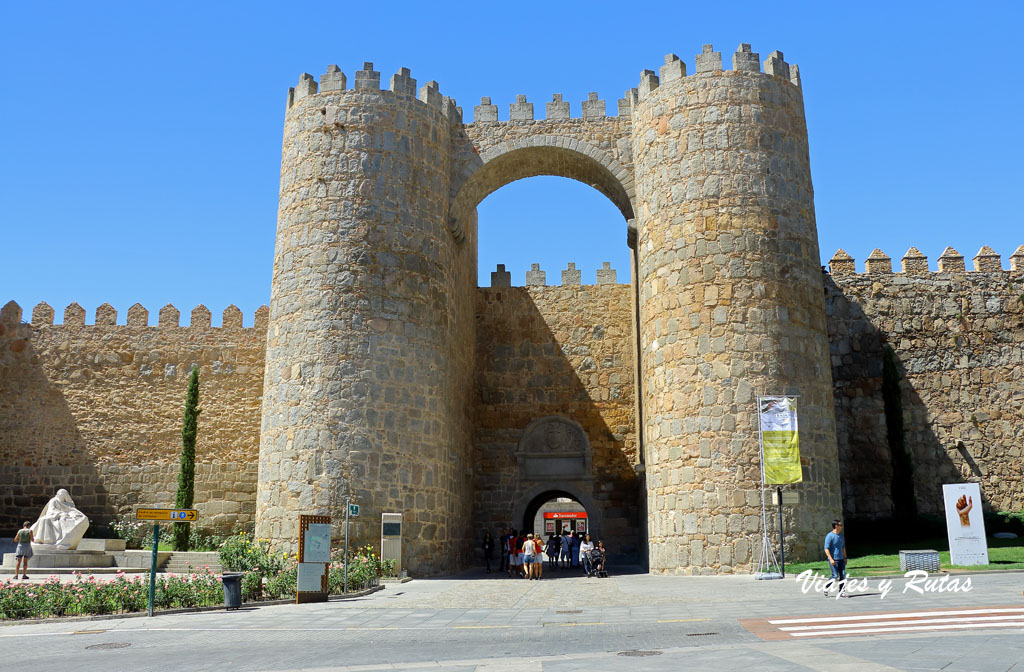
538,557
566,553
529,553
23,551
835,551
554,546
585,548
488,549
576,549
512,564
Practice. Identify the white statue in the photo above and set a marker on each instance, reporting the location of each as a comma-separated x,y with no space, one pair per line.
60,525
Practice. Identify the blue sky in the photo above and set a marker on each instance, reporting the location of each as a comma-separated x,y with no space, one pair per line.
141,141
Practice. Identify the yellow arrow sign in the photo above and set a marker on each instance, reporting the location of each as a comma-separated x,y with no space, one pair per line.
166,514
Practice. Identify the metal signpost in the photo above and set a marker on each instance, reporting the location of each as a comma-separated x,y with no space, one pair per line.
350,510
176,515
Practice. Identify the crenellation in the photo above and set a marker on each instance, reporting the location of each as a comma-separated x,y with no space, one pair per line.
746,60
627,102
536,277
606,275
106,315
74,315
42,314
794,75
231,318
878,262
333,80
556,108
592,107
951,261
430,94
708,60
403,83
169,316
841,263
367,79
485,111
451,111
776,65
673,69
137,316
520,110
914,262
501,278
306,87
10,313
572,276
1016,260
261,318
987,261
201,318
648,83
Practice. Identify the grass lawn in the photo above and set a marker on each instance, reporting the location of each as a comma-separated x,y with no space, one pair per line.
884,558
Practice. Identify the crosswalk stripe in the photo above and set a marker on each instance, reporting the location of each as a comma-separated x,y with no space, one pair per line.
905,628
907,614
837,626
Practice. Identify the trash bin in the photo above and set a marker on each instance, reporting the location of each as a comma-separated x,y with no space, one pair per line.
232,590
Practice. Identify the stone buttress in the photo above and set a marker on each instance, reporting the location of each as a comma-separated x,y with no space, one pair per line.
370,337
731,306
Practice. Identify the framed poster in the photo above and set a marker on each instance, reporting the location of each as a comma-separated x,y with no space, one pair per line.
549,527
965,524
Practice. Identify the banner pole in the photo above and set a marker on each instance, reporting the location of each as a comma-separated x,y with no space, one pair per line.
348,507
782,542
152,566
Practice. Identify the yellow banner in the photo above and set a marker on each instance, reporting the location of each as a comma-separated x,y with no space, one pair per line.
782,457
780,440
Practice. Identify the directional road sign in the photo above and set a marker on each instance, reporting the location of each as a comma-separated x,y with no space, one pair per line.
353,510
166,514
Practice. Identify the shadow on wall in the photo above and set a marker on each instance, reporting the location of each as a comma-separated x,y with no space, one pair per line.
562,351
961,417
41,449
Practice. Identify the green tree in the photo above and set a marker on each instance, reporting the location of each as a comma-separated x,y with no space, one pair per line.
187,474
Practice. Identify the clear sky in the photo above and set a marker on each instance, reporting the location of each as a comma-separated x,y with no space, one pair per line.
141,141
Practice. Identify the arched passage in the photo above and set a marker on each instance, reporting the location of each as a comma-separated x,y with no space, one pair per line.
539,155
531,501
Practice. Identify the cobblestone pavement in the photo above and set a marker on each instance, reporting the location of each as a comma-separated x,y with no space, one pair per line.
479,622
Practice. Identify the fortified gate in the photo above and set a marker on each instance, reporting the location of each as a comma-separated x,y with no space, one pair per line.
391,378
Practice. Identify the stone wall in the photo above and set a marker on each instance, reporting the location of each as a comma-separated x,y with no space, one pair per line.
959,340
97,409
558,351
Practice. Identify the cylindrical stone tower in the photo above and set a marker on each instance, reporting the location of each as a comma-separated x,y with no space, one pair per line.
370,340
731,306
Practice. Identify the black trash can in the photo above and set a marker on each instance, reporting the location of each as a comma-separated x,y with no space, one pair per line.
232,590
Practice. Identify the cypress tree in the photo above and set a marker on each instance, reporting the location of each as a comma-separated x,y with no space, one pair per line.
902,487
187,473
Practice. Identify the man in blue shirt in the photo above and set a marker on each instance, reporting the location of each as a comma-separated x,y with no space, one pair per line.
835,551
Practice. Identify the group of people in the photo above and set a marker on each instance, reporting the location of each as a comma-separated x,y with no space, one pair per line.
523,554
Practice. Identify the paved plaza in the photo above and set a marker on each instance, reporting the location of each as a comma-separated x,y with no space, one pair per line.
631,621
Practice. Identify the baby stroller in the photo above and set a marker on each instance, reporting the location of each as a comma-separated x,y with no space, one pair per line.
595,563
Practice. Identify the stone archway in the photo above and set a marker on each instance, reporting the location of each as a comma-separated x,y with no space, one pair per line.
531,500
484,169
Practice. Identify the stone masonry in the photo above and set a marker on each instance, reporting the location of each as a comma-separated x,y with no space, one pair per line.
381,373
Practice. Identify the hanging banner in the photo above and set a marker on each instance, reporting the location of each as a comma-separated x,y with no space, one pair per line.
779,439
965,524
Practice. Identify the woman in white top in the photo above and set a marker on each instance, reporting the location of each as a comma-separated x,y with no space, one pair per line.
585,549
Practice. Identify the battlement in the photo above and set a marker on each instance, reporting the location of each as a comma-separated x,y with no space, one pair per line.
571,276
137,316
709,62
915,263
368,79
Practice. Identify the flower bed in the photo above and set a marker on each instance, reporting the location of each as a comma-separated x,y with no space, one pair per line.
267,576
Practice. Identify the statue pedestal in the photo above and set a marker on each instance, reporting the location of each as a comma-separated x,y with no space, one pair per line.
89,554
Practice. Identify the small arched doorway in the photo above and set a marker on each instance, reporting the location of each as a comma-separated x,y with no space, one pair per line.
553,511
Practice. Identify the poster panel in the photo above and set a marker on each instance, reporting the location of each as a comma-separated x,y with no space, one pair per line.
317,542
780,439
965,524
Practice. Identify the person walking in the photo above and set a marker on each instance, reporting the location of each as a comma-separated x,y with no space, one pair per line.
566,553
835,551
529,551
585,548
23,551
554,546
503,550
488,549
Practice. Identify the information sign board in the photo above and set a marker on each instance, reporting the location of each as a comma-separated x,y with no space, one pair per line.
317,543
176,515
965,524
353,510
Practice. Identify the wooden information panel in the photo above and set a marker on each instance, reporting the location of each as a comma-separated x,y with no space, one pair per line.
314,559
